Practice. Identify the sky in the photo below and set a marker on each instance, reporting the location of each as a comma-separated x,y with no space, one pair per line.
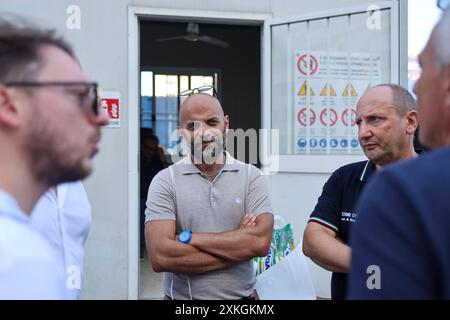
422,16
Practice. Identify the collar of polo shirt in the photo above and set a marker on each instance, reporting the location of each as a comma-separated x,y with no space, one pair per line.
187,167
368,171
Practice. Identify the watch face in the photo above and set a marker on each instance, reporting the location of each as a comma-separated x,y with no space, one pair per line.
184,236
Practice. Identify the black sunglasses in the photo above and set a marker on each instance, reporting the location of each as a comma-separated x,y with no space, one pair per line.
92,94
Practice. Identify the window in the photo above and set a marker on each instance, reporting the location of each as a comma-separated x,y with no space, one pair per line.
160,100
319,69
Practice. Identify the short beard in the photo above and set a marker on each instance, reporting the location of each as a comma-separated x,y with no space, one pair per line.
50,159
209,154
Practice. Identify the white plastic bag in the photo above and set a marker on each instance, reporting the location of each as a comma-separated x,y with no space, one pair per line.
289,279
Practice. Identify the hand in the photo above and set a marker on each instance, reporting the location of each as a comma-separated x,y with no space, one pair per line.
248,221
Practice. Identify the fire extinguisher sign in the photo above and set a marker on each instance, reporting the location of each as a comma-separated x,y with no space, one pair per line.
110,103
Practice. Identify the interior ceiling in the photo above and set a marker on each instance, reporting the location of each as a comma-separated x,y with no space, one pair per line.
163,29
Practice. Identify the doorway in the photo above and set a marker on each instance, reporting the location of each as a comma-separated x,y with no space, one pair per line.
169,66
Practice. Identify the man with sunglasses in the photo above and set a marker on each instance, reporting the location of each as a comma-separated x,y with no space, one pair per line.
49,133
209,214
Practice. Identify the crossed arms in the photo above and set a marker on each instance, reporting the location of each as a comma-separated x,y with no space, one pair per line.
207,251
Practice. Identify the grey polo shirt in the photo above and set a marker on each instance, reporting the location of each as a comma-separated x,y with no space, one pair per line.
184,194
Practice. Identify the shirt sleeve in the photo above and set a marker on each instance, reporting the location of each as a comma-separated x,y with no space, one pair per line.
258,200
160,198
391,256
329,205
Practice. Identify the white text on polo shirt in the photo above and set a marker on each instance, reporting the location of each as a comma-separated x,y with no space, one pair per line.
348,216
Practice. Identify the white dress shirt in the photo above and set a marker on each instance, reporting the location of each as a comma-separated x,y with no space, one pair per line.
64,219
29,267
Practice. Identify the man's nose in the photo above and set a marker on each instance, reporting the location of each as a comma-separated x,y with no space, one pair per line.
198,129
364,131
204,130
102,118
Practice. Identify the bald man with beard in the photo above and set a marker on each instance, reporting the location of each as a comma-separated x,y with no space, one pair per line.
207,215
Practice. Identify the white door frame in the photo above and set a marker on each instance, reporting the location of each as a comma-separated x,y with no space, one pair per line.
134,14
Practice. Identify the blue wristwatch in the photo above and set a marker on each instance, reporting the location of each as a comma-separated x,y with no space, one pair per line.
185,236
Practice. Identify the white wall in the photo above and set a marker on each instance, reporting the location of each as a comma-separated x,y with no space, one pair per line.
101,45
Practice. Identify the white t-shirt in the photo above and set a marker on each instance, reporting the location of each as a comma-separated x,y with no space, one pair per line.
29,267
64,219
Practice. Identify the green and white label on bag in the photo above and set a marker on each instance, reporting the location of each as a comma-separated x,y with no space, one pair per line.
282,244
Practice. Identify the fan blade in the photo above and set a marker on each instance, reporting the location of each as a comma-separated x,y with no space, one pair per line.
213,41
170,38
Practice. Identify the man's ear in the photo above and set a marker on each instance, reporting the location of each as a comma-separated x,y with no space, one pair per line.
412,121
9,116
446,84
226,119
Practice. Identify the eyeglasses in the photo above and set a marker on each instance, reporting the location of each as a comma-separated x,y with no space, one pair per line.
201,89
87,92
443,4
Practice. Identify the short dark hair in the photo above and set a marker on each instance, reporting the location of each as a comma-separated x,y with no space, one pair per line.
20,43
402,98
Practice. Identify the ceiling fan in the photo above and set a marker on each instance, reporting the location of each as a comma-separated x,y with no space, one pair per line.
194,36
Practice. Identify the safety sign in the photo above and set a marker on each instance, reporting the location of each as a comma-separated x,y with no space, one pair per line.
327,88
328,120
110,102
307,64
303,115
325,91
349,116
301,143
303,90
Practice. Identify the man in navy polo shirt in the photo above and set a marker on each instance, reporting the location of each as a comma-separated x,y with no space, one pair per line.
387,119
401,242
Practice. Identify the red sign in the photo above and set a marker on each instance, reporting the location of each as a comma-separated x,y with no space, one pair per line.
302,64
331,120
301,117
112,107
346,117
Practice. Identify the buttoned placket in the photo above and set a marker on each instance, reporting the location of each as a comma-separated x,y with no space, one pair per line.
211,185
